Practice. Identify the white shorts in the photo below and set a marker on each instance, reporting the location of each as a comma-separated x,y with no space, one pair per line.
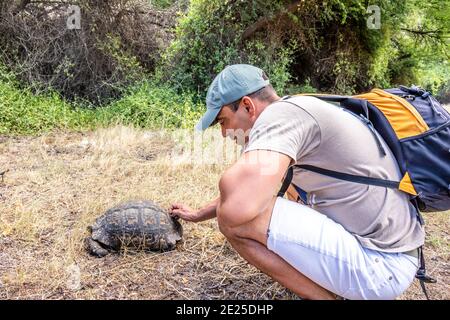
326,253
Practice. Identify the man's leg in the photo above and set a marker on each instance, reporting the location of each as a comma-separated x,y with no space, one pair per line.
250,241
306,251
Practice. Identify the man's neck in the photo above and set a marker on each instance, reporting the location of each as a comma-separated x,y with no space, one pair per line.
275,98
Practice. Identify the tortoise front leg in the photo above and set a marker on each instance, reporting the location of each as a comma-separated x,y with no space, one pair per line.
95,248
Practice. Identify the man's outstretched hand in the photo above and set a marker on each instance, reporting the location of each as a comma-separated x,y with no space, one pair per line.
179,210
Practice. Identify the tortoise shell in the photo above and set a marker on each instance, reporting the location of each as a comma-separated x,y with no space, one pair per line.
140,225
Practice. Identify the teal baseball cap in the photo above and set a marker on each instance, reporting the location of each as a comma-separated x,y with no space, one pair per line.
231,84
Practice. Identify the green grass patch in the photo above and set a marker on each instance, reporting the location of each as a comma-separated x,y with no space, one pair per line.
146,105
152,106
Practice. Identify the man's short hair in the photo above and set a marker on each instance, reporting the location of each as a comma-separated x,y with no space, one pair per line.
263,94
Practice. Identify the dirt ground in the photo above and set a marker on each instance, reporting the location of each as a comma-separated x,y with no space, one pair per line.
56,185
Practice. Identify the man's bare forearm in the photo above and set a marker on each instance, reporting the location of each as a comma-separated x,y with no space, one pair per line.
209,211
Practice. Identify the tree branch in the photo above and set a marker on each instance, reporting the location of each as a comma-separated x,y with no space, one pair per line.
429,33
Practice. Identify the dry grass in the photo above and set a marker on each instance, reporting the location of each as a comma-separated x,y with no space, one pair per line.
58,184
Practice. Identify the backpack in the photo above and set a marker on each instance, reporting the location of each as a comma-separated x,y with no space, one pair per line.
416,128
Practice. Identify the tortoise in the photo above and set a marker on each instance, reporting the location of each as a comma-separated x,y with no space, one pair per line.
138,225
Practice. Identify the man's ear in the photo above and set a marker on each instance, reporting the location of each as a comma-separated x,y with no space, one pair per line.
249,106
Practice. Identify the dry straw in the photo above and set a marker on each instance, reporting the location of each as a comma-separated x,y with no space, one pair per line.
58,184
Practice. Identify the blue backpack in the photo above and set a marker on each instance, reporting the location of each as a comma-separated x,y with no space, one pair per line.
417,130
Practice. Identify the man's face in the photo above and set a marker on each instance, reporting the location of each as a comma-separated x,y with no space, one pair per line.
237,125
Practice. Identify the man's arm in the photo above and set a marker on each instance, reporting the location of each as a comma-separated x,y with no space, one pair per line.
248,187
247,193
179,210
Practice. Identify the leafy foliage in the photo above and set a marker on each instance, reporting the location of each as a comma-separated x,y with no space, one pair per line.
146,105
208,39
123,67
326,42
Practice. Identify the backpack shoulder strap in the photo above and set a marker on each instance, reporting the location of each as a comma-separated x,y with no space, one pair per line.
286,182
357,107
352,178
335,174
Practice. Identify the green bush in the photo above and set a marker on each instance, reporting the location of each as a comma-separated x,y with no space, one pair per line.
327,42
331,47
146,106
306,87
22,112
151,106
208,38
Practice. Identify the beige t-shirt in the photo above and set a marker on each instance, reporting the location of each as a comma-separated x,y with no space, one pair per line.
324,135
